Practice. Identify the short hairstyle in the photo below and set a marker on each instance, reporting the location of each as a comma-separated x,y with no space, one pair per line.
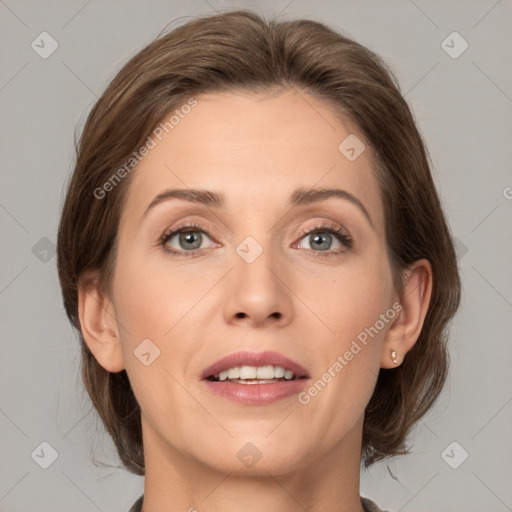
241,51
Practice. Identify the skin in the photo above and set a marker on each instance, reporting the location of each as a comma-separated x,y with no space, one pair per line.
255,149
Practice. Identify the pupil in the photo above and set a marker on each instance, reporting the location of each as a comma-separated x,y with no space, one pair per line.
191,238
319,237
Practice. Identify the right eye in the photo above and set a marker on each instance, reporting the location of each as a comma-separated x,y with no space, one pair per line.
190,238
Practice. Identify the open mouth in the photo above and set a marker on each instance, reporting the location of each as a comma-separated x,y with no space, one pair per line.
268,374
255,378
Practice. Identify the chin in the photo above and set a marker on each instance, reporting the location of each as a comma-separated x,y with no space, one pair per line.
253,456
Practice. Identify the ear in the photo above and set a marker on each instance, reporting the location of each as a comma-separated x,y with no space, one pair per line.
98,323
415,299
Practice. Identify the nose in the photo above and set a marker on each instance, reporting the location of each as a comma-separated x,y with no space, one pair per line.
258,293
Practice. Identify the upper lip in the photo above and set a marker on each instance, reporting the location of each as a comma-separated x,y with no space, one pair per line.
246,358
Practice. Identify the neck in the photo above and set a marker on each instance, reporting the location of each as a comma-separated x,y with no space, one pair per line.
326,481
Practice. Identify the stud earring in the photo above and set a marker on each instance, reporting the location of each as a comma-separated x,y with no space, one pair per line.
393,356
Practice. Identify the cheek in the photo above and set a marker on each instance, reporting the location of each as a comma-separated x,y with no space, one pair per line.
157,300
152,303
354,299
347,362
151,295
143,306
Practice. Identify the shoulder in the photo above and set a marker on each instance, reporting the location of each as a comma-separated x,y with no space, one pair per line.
369,505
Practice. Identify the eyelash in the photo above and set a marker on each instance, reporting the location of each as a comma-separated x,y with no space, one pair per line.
345,239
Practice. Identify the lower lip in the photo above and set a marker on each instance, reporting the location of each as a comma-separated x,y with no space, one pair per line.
256,394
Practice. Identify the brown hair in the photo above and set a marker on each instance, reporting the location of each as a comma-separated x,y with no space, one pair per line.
239,50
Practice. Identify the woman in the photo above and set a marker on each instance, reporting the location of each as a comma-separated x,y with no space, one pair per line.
255,256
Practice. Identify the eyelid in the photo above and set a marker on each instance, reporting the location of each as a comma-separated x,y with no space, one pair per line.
182,227
324,225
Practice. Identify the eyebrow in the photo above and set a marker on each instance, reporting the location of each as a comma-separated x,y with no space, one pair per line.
300,197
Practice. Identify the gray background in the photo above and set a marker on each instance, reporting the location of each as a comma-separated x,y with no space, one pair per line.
463,106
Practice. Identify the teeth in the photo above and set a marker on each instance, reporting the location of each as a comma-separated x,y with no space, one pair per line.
248,372
254,381
279,372
234,373
268,372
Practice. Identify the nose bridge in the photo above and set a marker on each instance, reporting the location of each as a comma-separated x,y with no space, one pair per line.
256,288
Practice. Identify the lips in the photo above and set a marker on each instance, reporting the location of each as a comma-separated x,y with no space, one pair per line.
246,358
255,392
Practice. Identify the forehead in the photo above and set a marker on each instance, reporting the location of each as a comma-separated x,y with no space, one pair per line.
255,149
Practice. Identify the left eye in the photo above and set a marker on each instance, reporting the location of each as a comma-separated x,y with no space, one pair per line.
321,239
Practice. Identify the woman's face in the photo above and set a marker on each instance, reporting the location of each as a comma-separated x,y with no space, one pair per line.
250,279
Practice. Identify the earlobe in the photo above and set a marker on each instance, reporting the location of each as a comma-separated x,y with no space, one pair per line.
98,324
415,300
